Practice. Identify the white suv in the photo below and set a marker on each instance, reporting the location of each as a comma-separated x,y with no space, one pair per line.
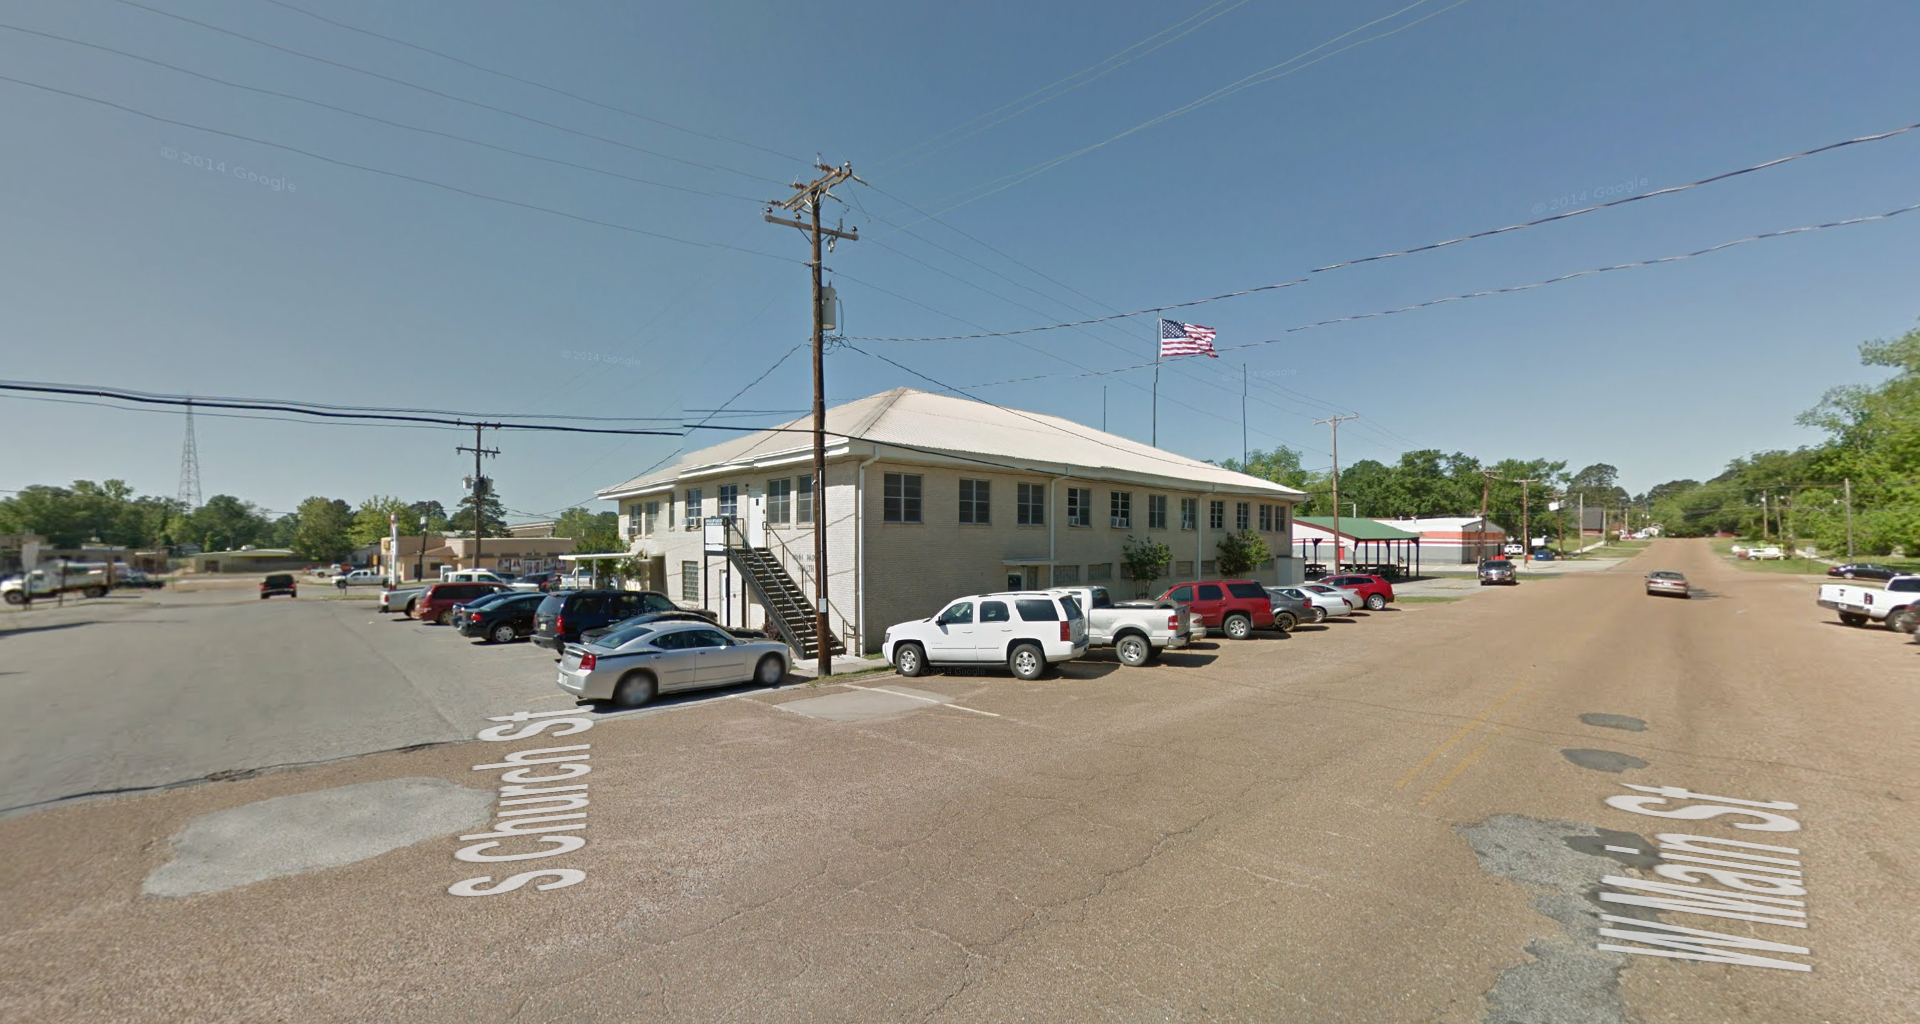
1026,630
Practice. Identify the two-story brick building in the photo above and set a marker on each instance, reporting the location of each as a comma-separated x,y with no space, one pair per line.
928,497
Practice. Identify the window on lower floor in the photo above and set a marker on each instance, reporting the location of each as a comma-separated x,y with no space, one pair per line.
1066,575
975,502
1183,570
690,581
1100,573
900,498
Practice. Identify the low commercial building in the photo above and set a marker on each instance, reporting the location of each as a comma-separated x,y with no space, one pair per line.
1455,540
927,497
1366,545
247,560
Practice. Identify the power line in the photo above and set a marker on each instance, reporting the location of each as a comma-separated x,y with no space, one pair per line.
397,409
528,81
271,405
1126,53
392,174
1674,190
370,117
442,95
1257,78
1589,273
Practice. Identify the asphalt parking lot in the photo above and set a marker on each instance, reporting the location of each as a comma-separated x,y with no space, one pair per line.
1406,817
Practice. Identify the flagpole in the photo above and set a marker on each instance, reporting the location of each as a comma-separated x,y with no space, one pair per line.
1156,378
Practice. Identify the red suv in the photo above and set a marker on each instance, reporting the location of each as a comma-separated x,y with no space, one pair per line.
1235,607
436,604
1374,590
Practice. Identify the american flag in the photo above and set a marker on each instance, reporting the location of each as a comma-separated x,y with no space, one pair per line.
1178,339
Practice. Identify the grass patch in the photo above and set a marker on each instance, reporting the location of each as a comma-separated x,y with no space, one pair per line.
1723,546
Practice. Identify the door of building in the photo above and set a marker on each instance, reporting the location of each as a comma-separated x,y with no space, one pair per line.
755,508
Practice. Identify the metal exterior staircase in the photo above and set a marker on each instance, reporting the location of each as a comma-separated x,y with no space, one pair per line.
788,612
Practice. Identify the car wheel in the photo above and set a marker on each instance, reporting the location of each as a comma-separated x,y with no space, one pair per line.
1285,621
1238,627
770,671
1853,619
503,633
409,612
910,660
263,597
1133,650
16,597
1904,621
95,592
445,618
1375,602
1027,662
635,689
1319,614
1848,575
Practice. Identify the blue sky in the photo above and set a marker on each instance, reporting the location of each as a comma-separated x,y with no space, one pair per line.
129,266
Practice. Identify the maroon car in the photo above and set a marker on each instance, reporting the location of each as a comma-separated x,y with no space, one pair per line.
1374,590
436,604
1235,607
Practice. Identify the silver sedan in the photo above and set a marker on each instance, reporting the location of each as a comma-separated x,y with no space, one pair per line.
633,665
1324,604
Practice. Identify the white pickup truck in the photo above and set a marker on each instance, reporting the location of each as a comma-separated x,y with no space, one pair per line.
1136,630
361,578
1895,603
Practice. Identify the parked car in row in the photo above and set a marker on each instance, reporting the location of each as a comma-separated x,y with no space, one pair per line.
631,666
436,603
1351,597
1895,602
1029,631
1321,602
1863,571
1138,631
1235,607
564,615
670,615
402,599
505,618
1375,592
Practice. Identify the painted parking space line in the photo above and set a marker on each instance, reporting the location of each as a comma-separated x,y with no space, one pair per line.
929,700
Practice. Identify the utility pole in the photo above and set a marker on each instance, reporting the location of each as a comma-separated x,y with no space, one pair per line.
1486,486
1847,483
807,198
1526,531
1243,417
479,484
1333,424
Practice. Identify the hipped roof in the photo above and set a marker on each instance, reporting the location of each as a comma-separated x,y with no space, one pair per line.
918,422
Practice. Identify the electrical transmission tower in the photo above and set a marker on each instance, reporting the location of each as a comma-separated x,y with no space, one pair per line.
189,467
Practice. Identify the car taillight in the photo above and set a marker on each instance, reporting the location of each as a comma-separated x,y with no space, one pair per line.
475,617
587,661
560,624
1066,630
1173,622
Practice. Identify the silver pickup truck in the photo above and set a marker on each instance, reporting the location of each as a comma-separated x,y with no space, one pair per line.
402,599
1136,630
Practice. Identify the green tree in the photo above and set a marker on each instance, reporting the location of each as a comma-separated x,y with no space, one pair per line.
1145,561
592,532
1874,442
1241,553
224,523
370,522
493,517
435,512
322,529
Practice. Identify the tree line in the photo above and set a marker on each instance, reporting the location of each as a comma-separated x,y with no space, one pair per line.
319,528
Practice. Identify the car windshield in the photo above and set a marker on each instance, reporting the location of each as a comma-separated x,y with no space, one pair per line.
1664,575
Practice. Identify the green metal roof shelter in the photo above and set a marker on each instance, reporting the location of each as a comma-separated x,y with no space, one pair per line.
1369,544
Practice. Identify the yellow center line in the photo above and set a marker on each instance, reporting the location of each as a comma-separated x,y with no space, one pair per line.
1477,722
1465,763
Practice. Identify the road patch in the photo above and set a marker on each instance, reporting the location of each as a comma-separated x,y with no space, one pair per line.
305,832
1603,760
1607,721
